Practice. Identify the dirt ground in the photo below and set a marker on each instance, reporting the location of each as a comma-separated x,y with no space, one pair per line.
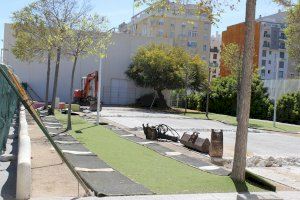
50,176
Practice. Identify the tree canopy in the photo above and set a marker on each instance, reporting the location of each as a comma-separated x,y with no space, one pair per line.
163,67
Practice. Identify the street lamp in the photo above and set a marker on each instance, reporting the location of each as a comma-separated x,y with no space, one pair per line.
275,92
99,91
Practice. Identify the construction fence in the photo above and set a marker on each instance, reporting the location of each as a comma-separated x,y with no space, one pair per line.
8,105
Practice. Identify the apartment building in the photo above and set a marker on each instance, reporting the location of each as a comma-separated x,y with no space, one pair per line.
186,29
215,55
271,56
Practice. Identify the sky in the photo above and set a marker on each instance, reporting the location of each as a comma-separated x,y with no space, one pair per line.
119,11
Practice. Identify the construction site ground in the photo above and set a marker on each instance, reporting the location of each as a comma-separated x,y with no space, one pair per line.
50,176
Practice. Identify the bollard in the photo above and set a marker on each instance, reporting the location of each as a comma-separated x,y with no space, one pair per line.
216,147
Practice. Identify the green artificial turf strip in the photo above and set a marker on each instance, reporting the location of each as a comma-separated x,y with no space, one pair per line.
253,123
160,174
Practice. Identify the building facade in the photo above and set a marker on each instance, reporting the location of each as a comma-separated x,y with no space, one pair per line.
187,30
236,34
271,56
215,55
116,88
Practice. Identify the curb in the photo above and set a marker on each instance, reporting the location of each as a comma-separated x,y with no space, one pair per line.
24,160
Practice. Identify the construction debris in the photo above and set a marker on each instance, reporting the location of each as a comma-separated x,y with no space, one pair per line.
216,147
160,132
195,142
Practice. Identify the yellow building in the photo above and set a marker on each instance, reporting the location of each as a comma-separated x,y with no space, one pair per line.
186,29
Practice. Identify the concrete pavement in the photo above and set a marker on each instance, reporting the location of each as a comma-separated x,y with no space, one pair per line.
261,143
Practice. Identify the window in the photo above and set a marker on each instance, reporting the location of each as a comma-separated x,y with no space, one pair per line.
270,62
263,63
270,52
266,34
161,22
263,73
280,74
204,47
172,25
193,33
192,44
264,53
282,55
183,25
203,57
281,45
215,56
205,37
282,36
266,44
269,71
281,64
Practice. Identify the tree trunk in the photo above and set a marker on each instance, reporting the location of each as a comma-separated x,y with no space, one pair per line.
48,82
240,153
238,91
161,99
58,54
69,127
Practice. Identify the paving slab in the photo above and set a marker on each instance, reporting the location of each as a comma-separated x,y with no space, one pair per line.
102,183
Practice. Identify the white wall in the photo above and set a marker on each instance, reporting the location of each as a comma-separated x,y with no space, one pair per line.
282,87
115,64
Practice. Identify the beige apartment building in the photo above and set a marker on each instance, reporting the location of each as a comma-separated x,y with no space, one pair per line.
185,29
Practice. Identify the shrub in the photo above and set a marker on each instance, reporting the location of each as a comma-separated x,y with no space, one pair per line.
288,109
146,101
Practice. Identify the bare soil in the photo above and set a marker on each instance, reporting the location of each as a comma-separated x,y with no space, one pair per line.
50,176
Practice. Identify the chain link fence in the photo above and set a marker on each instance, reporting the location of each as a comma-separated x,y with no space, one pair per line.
8,106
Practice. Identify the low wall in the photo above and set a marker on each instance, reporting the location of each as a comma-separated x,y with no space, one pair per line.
24,160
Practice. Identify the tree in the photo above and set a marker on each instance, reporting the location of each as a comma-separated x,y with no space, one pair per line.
232,57
152,66
164,67
240,152
60,16
33,40
293,34
88,37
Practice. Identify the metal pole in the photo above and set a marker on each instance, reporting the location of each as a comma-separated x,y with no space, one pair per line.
275,92
1,60
208,93
99,92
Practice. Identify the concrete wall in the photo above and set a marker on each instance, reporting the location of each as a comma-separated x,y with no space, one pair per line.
118,59
282,87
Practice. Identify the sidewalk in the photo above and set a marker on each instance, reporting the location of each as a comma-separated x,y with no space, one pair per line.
51,178
211,196
8,170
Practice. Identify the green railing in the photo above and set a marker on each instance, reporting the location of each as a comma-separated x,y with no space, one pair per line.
8,106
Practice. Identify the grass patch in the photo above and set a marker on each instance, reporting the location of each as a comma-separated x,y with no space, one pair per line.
160,174
253,123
